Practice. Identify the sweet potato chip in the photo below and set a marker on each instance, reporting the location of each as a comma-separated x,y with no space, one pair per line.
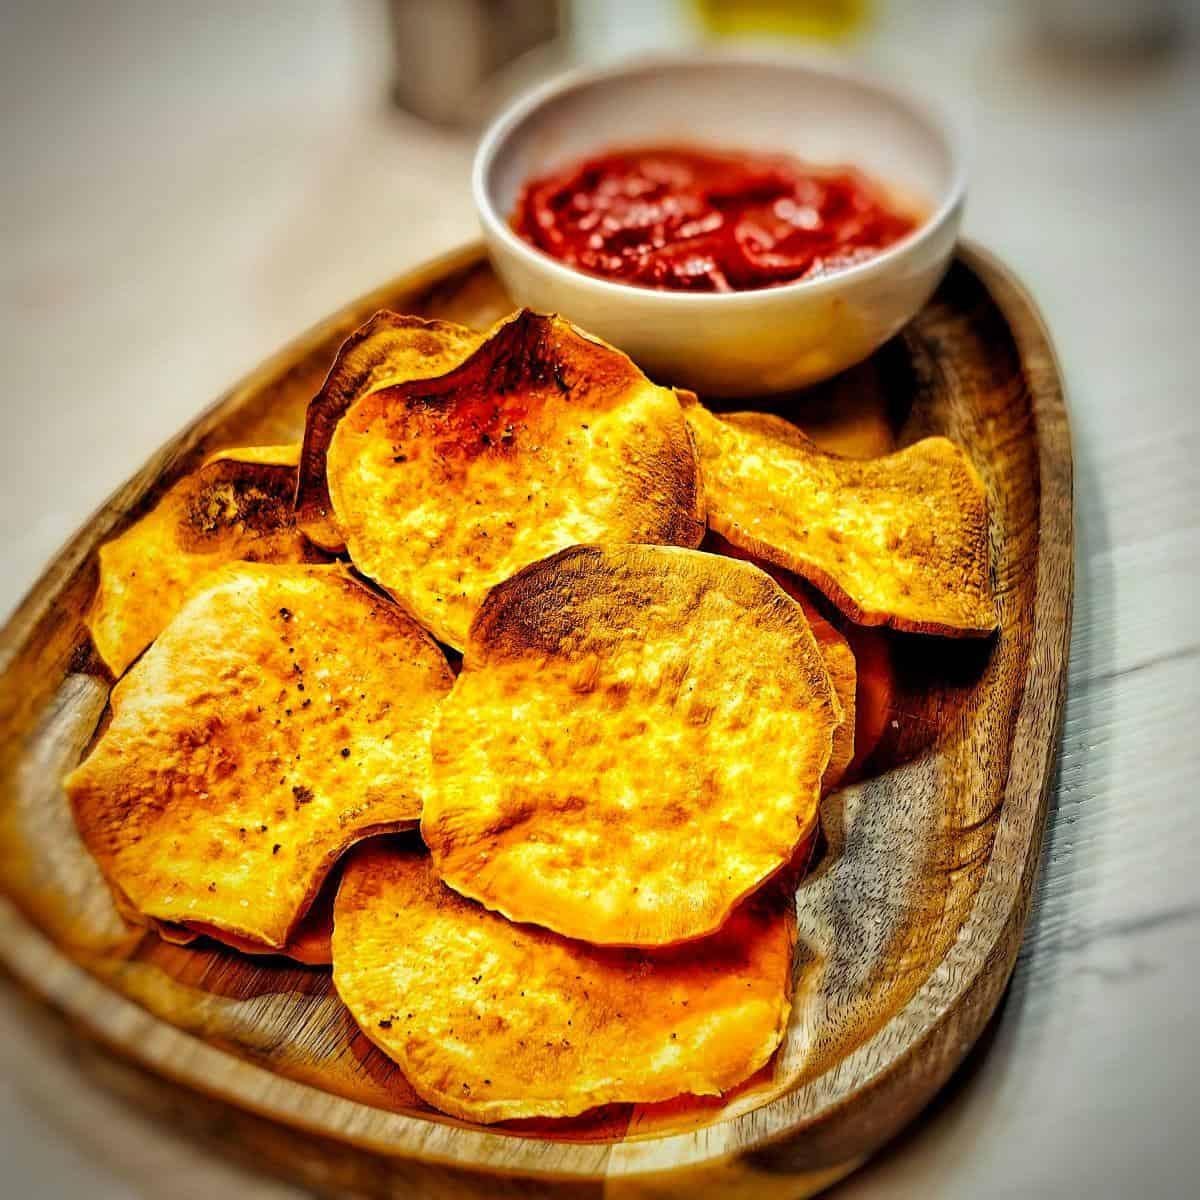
543,438
282,715
900,540
387,350
490,1020
285,455
238,505
308,943
635,742
839,662
835,650
875,691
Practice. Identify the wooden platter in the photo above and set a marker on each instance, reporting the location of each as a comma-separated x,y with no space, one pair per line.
909,922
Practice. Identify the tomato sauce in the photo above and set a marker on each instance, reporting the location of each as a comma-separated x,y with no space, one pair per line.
693,220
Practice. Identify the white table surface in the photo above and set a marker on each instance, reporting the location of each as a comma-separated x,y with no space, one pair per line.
188,186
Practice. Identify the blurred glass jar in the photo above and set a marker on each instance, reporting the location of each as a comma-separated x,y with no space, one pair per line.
451,56
1106,25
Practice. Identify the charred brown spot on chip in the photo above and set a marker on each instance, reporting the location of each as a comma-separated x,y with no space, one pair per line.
900,540
236,506
388,349
235,497
606,810
552,1027
542,438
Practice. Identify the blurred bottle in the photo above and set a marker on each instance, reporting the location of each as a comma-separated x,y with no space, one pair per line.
826,19
1121,26
456,60
451,54
606,29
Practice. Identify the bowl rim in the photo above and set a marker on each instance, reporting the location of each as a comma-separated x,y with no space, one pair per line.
526,106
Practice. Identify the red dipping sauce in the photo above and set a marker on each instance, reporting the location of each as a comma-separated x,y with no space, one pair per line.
692,220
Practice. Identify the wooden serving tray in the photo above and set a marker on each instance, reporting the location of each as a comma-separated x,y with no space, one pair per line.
909,923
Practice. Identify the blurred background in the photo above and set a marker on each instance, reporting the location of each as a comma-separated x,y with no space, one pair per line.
189,185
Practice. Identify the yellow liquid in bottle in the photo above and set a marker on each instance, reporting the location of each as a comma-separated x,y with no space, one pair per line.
828,19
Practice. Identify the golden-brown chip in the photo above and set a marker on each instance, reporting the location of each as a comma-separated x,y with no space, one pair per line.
282,715
238,505
308,943
543,438
835,649
839,662
286,454
388,349
490,1020
900,540
874,695
635,742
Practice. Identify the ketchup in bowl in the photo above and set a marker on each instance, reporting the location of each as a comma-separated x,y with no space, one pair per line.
689,220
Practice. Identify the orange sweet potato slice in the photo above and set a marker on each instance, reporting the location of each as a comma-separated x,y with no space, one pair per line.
839,662
636,741
900,540
308,943
491,1021
282,715
387,350
542,438
835,650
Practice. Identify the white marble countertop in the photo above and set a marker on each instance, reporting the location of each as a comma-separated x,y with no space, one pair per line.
188,186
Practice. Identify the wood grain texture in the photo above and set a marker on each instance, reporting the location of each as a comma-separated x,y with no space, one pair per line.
909,925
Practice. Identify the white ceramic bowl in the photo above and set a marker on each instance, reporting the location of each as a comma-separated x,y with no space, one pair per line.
738,343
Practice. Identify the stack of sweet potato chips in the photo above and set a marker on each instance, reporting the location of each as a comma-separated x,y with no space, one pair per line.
617,784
